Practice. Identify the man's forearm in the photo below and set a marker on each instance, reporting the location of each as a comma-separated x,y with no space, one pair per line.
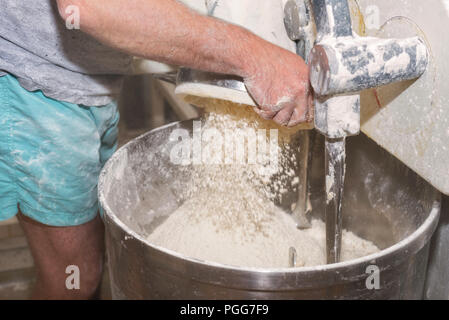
168,31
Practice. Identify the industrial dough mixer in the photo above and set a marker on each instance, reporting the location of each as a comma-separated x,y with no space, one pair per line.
342,65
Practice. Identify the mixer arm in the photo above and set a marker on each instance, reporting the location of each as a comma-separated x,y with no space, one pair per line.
342,63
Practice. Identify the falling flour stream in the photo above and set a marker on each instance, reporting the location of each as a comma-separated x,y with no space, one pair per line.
229,216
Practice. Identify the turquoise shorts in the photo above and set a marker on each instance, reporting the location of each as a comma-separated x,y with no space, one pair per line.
51,154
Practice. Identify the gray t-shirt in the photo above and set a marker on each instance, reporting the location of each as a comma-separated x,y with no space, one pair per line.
67,65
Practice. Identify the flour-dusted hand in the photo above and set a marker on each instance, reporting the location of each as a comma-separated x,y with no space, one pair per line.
279,83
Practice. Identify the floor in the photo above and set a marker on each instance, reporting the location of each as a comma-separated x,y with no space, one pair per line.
16,264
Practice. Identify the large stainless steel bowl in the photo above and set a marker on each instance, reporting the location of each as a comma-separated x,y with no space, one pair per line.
384,202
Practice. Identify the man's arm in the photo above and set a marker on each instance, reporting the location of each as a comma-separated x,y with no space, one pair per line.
167,31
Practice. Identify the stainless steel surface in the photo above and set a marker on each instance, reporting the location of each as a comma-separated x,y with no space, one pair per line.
342,64
437,282
356,64
169,77
335,165
301,212
384,202
337,116
299,26
293,256
213,85
188,76
332,19
296,18
232,82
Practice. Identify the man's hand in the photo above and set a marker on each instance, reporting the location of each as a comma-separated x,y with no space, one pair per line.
280,86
